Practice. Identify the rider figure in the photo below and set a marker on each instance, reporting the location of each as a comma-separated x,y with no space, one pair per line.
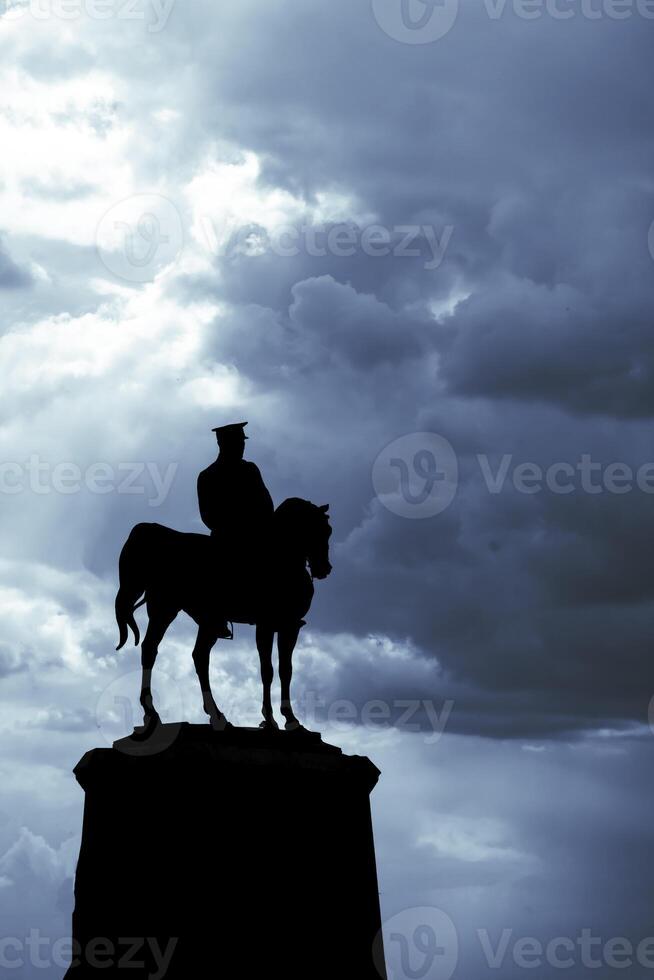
236,507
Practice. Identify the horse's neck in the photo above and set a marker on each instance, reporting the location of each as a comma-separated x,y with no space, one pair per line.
286,550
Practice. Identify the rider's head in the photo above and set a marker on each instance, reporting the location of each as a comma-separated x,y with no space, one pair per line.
231,439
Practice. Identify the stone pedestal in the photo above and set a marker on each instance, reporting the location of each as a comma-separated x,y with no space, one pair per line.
236,854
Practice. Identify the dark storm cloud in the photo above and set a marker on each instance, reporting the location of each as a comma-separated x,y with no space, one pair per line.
551,217
508,841
538,609
329,326
403,268
566,320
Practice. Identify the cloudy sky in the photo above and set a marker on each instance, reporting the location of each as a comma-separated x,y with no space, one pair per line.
412,244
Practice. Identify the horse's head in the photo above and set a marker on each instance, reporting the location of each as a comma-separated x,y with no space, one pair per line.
309,525
318,545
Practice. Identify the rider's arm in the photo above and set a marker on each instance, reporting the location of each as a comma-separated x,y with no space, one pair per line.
262,490
205,501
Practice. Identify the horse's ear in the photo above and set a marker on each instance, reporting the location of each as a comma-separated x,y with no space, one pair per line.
324,508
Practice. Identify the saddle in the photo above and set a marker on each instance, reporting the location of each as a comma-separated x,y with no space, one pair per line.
237,583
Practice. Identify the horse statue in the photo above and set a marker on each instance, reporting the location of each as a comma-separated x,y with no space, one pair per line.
175,571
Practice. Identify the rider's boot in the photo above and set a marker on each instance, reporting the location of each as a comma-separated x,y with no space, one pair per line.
223,632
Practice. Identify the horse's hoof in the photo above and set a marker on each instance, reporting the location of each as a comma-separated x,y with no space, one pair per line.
220,724
294,726
148,728
269,725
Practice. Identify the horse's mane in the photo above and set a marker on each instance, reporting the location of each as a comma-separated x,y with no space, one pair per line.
294,508
292,505
290,512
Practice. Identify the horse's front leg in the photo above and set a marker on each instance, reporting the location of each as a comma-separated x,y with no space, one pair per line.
201,651
265,636
286,640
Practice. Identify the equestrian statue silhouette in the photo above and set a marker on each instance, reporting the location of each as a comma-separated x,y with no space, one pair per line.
256,567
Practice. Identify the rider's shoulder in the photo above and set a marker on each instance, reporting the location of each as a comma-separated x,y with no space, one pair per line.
209,472
228,466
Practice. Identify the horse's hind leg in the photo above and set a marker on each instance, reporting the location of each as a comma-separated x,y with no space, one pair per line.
159,622
205,640
286,640
265,637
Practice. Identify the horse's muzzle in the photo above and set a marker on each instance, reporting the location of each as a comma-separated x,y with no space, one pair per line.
321,569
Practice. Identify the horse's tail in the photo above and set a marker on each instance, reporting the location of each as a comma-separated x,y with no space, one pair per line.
132,576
